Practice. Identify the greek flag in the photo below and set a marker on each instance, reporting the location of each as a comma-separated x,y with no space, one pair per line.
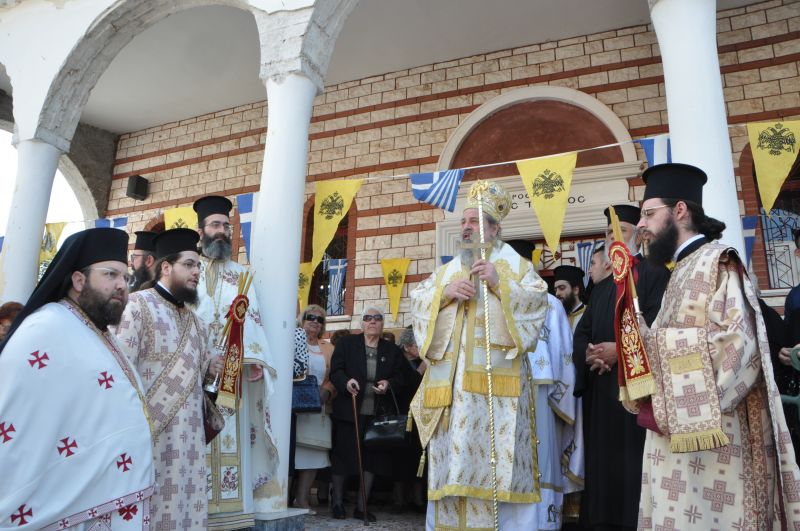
438,188
245,203
749,224
585,250
337,270
116,223
657,149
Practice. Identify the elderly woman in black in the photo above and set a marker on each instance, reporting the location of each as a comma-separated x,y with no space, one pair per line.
367,366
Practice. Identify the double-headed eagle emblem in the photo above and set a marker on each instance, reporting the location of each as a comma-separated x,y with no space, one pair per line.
547,184
776,139
332,206
394,278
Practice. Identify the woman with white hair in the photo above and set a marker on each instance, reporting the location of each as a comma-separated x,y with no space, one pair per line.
367,367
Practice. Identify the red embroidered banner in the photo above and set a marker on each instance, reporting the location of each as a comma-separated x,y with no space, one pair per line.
230,388
633,368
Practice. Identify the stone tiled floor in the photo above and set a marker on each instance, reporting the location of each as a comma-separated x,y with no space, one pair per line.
386,520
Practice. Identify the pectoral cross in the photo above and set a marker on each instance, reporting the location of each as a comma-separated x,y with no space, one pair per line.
216,327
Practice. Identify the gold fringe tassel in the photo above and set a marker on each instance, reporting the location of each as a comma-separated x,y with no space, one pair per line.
695,442
421,467
438,396
446,419
410,422
502,385
225,399
642,387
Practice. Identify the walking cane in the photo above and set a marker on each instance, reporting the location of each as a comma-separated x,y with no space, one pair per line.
360,464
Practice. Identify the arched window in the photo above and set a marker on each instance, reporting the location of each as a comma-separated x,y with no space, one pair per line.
783,264
329,283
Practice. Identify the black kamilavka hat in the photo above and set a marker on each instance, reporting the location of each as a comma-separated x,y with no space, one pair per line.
176,241
212,204
570,273
628,213
144,240
674,181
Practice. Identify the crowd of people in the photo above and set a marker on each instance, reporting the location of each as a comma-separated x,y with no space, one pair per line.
119,409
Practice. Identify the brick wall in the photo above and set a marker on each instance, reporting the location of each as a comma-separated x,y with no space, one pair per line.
399,122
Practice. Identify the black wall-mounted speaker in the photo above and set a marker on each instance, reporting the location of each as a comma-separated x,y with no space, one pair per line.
137,187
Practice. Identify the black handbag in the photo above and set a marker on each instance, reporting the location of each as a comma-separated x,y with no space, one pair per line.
386,432
305,395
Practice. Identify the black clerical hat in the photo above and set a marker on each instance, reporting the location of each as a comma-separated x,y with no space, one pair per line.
212,204
628,213
100,245
570,273
80,250
144,241
175,241
674,181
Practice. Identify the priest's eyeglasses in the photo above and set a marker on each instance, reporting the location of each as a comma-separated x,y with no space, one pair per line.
647,213
216,225
190,264
112,274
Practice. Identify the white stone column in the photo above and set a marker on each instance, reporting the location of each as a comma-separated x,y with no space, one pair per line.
276,239
698,125
37,162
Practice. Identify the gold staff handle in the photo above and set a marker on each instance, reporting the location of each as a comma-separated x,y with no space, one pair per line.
489,379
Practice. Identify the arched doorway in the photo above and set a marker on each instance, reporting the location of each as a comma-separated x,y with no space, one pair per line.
533,122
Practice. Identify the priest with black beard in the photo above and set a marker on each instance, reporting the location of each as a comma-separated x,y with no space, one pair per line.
714,389
166,341
613,441
72,408
142,261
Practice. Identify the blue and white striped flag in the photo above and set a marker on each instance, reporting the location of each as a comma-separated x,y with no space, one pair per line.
657,149
116,223
438,188
337,271
749,224
585,250
245,203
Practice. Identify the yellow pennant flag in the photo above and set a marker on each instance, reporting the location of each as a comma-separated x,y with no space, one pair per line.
536,256
180,218
332,201
394,275
52,232
547,181
774,147
304,283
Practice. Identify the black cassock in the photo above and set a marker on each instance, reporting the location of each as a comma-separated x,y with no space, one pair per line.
613,442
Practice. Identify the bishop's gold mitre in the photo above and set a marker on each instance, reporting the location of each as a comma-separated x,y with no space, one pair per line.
495,200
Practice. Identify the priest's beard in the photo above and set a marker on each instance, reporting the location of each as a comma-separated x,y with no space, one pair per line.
217,247
102,311
470,255
140,276
569,302
662,247
185,294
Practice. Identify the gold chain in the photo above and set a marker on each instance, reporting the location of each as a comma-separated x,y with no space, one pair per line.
492,450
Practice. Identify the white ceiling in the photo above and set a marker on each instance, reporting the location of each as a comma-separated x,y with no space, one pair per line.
207,59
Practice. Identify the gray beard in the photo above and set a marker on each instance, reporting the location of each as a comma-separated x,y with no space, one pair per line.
469,256
217,248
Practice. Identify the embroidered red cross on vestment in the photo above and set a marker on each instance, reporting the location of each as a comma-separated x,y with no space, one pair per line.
21,514
124,461
37,359
127,513
5,432
107,379
67,446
